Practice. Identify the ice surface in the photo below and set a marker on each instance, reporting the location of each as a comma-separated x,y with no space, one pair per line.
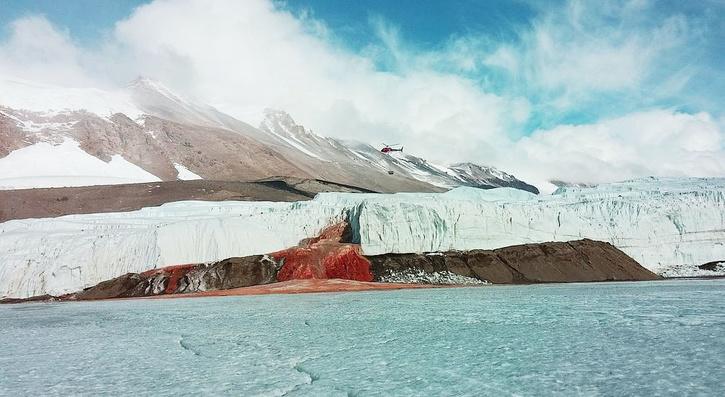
499,194
612,339
46,165
660,223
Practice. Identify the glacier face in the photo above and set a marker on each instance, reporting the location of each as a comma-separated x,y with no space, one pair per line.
659,222
65,254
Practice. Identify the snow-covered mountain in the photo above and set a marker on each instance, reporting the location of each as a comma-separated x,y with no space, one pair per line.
281,125
564,184
670,226
156,134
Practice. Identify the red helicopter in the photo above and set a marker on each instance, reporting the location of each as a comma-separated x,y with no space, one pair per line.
389,148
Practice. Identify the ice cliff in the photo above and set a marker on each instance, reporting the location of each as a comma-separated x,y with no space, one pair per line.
661,223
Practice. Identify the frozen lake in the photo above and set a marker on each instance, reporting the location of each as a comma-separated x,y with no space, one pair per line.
574,339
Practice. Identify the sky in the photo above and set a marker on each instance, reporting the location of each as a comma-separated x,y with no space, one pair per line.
582,91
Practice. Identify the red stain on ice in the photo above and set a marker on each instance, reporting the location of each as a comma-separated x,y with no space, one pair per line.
324,257
347,263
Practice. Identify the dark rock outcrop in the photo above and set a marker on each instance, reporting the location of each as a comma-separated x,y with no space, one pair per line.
575,261
226,274
127,285
230,273
39,298
712,266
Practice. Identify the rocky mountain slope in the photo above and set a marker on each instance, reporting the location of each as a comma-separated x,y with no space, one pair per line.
52,136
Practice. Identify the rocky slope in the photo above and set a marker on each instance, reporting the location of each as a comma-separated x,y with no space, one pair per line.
284,132
52,202
160,136
574,261
226,274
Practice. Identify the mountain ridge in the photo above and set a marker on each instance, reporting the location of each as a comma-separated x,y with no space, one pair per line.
163,131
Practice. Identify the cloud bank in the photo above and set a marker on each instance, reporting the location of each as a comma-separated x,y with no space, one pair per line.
574,97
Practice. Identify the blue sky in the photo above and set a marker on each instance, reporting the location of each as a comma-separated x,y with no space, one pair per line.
429,23
87,20
470,78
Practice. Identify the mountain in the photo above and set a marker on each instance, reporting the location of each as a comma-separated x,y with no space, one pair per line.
51,136
564,184
281,125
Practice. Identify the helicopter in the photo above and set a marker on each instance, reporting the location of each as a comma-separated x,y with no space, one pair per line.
389,148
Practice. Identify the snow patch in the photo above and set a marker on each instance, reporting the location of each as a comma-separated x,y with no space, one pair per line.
693,271
30,126
46,165
419,276
184,174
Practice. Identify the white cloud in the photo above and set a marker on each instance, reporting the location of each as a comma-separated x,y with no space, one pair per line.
576,53
656,142
244,56
36,50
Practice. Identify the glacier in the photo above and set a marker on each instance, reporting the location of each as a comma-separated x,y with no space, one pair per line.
663,223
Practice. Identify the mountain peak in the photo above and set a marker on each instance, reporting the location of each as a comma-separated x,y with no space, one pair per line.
472,173
480,170
143,84
278,121
278,116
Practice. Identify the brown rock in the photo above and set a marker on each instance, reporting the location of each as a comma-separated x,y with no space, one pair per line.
230,273
486,266
123,286
50,202
576,261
